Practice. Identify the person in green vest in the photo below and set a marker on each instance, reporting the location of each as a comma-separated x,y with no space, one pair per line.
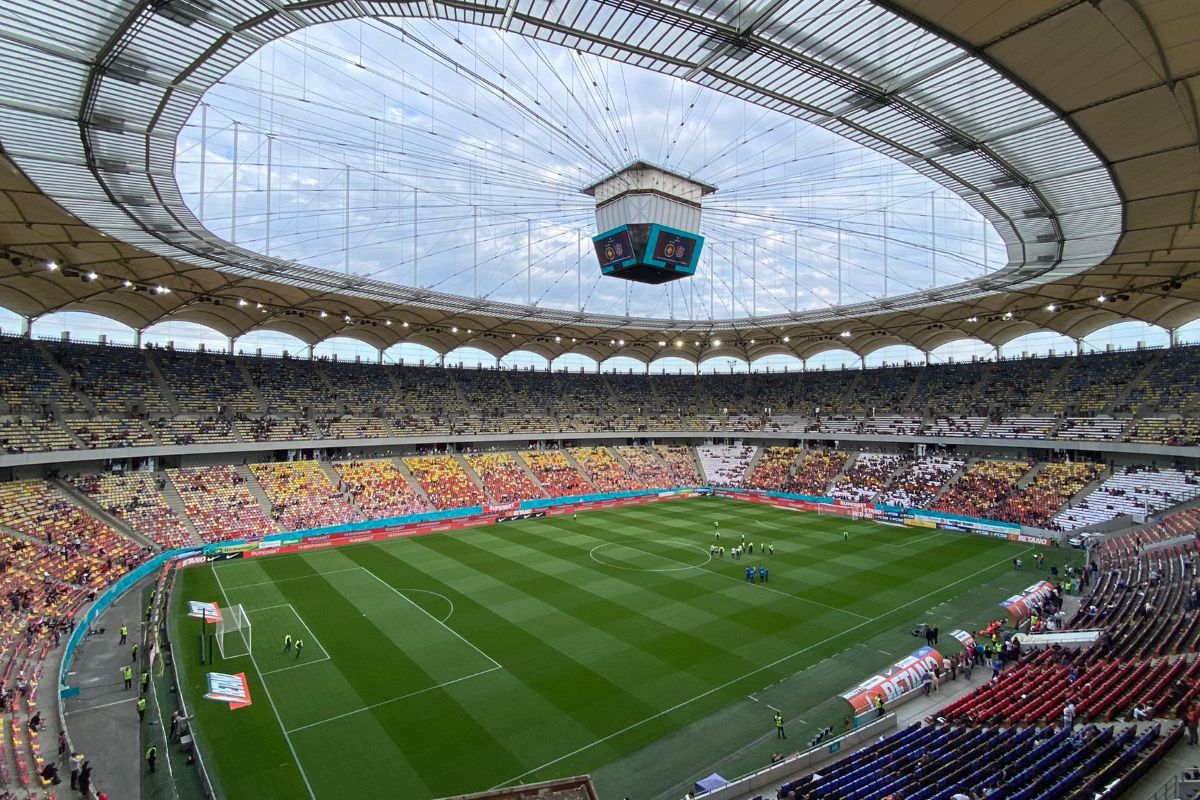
141,709
151,755
127,674
124,633
133,652
145,682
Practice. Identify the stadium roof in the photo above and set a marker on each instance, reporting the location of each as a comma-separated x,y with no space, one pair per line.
1071,126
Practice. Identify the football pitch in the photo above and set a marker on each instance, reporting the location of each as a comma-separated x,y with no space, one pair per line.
611,644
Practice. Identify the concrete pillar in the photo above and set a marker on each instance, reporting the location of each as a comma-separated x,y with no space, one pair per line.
137,338
1173,333
231,345
27,327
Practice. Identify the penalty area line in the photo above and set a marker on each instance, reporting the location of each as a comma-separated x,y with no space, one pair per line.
749,674
393,700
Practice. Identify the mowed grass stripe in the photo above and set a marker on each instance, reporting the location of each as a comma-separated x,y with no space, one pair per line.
384,656
599,662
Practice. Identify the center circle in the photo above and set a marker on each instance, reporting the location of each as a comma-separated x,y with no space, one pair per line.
596,554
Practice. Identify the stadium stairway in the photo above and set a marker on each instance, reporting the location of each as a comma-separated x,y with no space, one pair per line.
1082,494
578,468
413,482
949,484
160,380
80,499
174,502
473,475
1141,375
88,406
524,467
1029,476
754,459
334,481
240,363
256,491
616,454
1056,377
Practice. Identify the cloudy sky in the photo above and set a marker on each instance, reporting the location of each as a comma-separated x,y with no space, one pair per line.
452,158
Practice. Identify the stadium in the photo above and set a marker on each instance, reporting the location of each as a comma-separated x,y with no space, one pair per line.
599,399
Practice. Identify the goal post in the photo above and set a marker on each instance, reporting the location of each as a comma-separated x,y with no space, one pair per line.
234,632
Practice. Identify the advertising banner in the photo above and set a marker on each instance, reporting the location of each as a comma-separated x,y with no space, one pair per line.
1020,606
231,689
965,639
521,515
203,610
902,677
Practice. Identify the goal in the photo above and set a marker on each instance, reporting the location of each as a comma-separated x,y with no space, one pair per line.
233,632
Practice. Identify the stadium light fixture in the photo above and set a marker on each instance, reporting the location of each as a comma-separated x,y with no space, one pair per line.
972,319
50,265
324,315
716,342
1008,315
242,302
787,339
403,324
91,276
661,343
679,343
572,340
845,334
557,339
1052,307
454,329
258,305
1102,298
620,342
387,322
127,283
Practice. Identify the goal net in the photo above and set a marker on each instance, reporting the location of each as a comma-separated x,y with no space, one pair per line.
233,632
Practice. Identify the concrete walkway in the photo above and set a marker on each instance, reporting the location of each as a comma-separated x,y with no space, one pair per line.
102,721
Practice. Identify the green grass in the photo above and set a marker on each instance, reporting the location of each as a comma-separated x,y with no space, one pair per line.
608,645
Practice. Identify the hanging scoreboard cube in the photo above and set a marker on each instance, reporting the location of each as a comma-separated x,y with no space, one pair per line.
650,218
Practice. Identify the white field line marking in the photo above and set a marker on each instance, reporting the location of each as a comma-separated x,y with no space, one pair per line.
752,697
907,542
306,662
279,719
435,594
96,708
752,672
395,699
409,600
703,568
294,578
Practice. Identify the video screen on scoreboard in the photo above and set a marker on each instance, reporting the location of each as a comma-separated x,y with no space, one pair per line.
673,248
614,248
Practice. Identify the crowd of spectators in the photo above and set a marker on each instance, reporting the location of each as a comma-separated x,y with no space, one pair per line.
219,504
1135,490
445,482
301,495
136,499
865,477
816,472
920,482
725,464
378,488
503,477
606,473
1051,488
984,486
774,468
555,473
651,471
